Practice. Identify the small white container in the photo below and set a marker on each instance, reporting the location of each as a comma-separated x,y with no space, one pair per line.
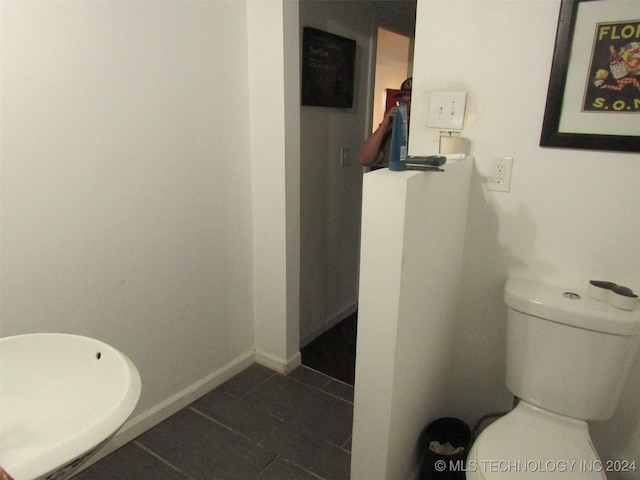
599,290
626,301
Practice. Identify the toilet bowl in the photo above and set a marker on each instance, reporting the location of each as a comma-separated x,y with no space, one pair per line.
568,357
531,443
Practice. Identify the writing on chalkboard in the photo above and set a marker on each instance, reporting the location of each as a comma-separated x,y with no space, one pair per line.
328,69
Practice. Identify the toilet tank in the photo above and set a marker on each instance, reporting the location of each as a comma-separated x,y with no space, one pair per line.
566,352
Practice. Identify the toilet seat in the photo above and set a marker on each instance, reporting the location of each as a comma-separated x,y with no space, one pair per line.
530,443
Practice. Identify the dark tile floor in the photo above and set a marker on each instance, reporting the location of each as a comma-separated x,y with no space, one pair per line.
259,425
334,352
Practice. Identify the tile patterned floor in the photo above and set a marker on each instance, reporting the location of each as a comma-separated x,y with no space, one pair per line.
259,425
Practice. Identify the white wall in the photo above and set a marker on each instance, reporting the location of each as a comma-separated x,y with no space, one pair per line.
571,215
129,211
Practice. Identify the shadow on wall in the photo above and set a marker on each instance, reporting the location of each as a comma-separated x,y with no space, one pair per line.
479,366
619,437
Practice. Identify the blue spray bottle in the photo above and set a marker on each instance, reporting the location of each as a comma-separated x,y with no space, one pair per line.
399,137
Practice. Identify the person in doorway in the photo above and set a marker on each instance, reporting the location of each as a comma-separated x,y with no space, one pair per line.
375,150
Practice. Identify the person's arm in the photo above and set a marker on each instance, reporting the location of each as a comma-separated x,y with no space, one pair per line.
371,151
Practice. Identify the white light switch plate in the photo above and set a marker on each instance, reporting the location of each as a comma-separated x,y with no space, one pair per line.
446,110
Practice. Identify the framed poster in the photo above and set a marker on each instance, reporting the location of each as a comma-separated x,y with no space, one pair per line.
593,100
328,69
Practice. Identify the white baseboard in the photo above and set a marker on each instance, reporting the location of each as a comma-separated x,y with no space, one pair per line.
152,417
277,364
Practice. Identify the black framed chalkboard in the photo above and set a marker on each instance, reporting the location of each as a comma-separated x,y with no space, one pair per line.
328,69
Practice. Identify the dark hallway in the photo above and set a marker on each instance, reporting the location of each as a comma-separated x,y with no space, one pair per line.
334,352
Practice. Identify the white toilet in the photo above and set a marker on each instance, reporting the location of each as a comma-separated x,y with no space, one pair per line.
568,357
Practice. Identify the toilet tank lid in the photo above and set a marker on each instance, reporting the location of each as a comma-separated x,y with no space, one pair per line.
551,303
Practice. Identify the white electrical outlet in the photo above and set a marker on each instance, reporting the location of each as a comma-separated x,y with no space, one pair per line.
499,179
446,110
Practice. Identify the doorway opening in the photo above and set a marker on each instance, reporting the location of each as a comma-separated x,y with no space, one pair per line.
394,64
334,352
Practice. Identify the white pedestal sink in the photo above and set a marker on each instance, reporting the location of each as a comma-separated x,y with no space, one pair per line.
62,397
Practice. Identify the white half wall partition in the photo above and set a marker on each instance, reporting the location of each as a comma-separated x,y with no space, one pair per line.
413,229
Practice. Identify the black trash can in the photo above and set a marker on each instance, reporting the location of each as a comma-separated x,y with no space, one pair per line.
444,445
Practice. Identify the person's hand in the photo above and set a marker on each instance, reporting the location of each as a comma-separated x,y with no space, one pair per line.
387,121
